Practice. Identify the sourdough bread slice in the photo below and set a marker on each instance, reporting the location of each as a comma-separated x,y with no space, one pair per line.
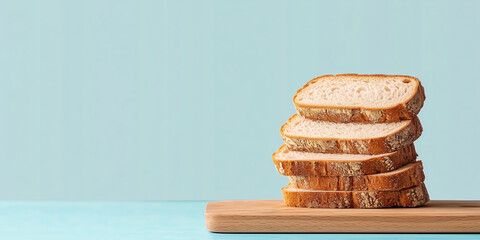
360,98
409,197
297,163
302,134
405,177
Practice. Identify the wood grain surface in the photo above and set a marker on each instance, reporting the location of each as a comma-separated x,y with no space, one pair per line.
273,216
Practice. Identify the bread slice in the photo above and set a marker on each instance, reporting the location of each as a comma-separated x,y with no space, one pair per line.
405,177
360,98
297,163
302,134
409,197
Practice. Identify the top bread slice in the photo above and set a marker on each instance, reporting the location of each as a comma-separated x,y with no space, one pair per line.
360,98
302,134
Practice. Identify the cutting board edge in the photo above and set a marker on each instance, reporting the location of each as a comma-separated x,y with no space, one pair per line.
235,222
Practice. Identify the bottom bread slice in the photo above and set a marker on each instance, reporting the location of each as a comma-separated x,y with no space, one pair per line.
409,197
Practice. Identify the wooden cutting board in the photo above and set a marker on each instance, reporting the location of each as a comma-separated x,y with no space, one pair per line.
272,216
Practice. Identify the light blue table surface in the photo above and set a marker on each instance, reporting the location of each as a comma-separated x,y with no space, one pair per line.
139,220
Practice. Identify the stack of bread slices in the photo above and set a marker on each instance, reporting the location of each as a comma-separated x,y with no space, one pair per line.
350,144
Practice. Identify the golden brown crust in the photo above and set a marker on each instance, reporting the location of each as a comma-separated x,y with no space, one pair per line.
409,197
411,175
385,144
373,165
403,111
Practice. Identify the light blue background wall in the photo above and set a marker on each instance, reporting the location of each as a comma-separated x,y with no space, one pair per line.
184,99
